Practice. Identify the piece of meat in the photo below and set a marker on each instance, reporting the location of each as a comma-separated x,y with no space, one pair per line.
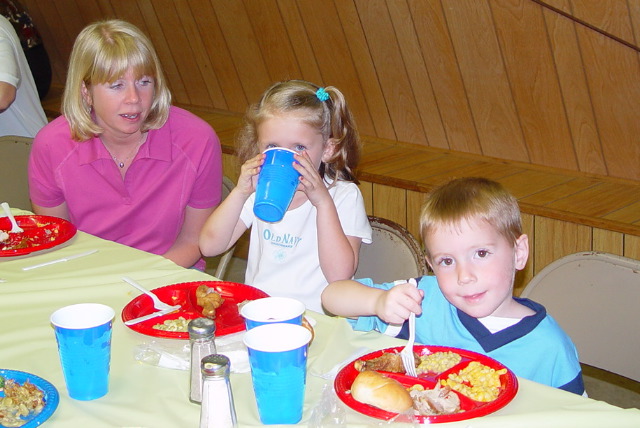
436,401
388,362
209,299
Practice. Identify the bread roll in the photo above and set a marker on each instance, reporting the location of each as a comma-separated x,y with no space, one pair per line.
370,387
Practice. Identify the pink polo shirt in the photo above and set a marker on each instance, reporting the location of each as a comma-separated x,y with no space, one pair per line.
179,165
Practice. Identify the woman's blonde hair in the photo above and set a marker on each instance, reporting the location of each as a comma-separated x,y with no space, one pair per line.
103,52
471,198
322,108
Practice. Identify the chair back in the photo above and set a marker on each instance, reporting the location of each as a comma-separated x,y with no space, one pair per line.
393,253
225,258
14,185
594,297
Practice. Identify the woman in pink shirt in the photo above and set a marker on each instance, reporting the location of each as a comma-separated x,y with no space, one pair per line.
121,163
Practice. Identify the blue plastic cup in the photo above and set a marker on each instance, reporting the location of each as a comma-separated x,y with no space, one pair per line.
277,183
83,333
269,310
278,360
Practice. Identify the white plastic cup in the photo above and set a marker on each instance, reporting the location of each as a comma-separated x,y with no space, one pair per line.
269,310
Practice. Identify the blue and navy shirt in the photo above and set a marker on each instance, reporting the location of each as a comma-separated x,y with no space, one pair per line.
535,348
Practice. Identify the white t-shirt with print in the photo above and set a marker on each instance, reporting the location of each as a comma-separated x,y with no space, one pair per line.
283,257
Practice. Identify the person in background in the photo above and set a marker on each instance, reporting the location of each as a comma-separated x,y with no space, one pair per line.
21,113
326,221
121,163
472,233
31,42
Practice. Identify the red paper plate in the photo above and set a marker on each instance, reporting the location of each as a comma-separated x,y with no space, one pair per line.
471,408
228,319
40,233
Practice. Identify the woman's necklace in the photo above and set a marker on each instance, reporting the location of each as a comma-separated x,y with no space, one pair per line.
121,162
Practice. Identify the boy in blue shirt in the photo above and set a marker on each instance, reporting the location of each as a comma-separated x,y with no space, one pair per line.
473,238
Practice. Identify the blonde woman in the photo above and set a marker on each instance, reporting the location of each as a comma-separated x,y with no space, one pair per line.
121,162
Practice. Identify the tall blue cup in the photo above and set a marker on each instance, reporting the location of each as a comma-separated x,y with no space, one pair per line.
278,359
83,333
277,183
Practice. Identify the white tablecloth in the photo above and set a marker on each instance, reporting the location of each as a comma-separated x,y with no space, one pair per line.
143,395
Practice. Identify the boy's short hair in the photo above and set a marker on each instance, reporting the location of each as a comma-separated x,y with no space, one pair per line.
472,198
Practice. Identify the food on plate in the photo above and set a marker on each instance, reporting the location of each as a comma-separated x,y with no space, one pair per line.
438,362
178,324
440,400
375,389
19,401
209,299
16,241
387,362
476,381
7,242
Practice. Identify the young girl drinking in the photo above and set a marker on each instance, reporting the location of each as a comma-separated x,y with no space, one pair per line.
319,238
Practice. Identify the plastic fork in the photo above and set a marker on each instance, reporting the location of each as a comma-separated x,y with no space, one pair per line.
157,303
408,358
14,225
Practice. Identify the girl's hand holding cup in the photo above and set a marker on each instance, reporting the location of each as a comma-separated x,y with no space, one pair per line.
249,174
310,182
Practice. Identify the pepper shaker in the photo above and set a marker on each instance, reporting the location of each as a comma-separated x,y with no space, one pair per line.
218,410
202,332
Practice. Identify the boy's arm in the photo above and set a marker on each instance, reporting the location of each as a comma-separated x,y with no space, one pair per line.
352,299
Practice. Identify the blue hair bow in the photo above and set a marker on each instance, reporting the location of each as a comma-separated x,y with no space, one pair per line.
322,94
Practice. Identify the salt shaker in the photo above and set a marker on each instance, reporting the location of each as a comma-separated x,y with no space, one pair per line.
217,409
202,332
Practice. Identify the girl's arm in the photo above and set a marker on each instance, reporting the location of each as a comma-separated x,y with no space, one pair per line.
352,299
223,228
185,250
338,253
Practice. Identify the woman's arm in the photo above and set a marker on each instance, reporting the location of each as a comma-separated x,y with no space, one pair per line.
185,250
60,211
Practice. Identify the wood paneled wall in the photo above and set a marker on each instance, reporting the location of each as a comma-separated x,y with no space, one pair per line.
553,82
549,238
